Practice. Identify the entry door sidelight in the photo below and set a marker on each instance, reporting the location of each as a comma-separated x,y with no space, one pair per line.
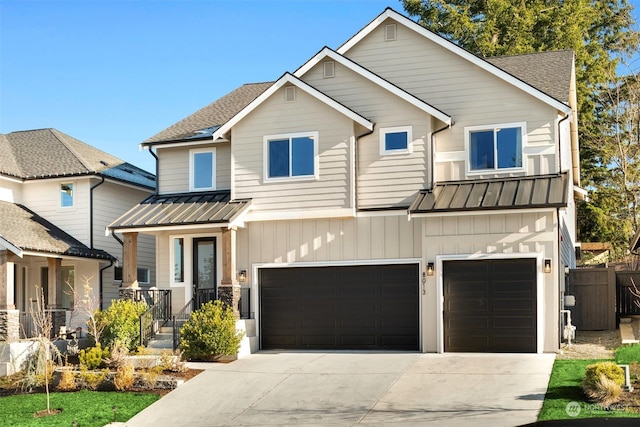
204,270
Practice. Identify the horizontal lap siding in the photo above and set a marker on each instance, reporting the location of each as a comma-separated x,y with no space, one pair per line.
275,117
389,180
174,168
462,90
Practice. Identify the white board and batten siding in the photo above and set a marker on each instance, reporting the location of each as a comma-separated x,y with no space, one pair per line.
384,180
174,167
470,95
332,187
511,235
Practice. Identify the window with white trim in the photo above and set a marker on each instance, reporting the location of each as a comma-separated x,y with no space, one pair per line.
396,140
202,170
143,275
291,156
66,195
495,148
177,258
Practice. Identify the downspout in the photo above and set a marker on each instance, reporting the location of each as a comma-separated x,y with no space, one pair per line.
560,142
433,154
157,168
355,167
100,278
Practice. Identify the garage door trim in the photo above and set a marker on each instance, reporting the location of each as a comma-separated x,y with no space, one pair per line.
255,296
540,279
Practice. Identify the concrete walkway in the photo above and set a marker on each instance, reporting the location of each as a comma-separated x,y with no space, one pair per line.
355,388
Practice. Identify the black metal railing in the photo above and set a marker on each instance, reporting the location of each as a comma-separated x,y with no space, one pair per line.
178,320
148,326
203,296
158,311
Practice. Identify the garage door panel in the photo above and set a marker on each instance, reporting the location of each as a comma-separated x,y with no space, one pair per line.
365,306
497,315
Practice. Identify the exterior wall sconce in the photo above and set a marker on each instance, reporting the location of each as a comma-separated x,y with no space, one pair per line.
430,269
547,265
242,276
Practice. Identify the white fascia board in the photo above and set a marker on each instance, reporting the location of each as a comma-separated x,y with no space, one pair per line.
11,247
481,212
290,78
358,69
181,144
452,47
300,214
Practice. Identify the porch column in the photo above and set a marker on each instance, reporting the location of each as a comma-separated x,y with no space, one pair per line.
56,287
130,261
9,316
229,289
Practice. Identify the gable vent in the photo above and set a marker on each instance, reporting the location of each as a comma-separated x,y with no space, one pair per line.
290,94
329,69
390,32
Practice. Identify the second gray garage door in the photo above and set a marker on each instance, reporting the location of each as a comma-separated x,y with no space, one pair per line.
363,307
490,306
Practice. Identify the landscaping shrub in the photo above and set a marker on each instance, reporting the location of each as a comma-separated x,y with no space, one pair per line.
602,382
94,357
125,377
122,323
67,380
210,332
92,379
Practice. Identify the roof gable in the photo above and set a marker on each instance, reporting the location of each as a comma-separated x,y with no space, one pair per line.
358,69
288,78
47,153
452,47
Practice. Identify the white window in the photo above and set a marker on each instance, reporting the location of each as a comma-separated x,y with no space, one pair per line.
496,147
202,170
396,140
143,275
291,156
66,195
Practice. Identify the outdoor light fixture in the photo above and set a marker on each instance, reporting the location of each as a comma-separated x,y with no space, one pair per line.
430,269
242,276
547,265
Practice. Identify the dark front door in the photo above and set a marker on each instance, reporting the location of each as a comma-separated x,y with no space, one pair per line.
204,269
490,306
361,307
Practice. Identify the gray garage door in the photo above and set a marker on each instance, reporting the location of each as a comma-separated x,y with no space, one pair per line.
490,306
347,307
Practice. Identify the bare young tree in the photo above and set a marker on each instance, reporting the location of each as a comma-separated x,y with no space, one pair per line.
88,304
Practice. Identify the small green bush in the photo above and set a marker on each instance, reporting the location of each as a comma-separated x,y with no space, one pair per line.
602,382
94,357
210,332
122,320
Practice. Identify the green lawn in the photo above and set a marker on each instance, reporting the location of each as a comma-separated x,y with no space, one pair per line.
565,386
87,408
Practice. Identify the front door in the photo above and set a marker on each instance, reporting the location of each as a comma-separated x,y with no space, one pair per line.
204,270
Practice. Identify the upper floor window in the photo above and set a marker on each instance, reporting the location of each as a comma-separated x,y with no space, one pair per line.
493,148
291,156
396,140
66,195
202,169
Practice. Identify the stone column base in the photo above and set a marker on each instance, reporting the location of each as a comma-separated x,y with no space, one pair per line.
9,325
230,295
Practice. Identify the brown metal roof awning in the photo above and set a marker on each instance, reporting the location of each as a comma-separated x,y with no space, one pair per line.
550,191
182,209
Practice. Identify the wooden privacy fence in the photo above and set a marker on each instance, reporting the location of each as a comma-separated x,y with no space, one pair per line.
595,293
625,300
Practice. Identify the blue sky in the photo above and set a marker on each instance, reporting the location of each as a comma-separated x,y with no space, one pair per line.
113,73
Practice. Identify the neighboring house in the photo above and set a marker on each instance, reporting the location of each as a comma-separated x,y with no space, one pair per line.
397,193
57,194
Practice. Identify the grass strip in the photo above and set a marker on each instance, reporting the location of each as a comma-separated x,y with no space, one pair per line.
86,408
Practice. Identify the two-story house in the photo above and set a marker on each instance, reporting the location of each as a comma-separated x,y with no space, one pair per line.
57,194
396,193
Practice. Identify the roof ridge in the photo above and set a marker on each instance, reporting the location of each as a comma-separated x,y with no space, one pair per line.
540,52
71,150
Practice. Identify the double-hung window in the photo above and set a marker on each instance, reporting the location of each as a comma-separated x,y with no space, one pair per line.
495,148
395,140
291,156
202,171
66,195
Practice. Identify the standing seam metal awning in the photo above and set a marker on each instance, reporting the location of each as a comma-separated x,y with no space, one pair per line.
182,209
508,193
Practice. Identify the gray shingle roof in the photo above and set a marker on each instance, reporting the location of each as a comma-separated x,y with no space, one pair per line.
490,194
182,209
213,115
549,72
46,153
28,231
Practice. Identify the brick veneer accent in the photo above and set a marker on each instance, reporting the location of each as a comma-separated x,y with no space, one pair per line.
230,295
9,325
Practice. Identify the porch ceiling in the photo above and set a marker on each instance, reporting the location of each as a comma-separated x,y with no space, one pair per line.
549,191
182,209
24,230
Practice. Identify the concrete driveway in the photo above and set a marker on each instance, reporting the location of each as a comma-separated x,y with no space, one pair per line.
355,388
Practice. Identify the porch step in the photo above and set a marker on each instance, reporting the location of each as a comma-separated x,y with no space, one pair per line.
626,333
